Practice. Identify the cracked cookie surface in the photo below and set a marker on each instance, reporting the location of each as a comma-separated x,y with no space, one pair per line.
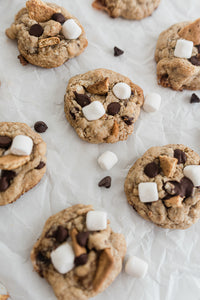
178,206
117,122
45,45
104,249
20,173
128,9
174,72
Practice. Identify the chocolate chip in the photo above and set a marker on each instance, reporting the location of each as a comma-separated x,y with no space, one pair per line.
187,187
58,17
117,51
195,60
4,184
105,182
61,234
127,120
5,142
36,30
73,115
82,99
41,165
151,169
81,260
8,174
180,155
194,98
82,238
40,126
42,258
113,108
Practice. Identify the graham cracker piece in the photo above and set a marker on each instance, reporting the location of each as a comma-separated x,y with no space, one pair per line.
168,165
78,250
49,42
191,32
100,87
104,268
39,11
10,161
175,201
114,134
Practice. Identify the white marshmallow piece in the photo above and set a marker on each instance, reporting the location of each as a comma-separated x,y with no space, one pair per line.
63,258
71,30
136,267
96,220
122,90
21,145
148,192
152,102
93,111
183,48
193,173
107,160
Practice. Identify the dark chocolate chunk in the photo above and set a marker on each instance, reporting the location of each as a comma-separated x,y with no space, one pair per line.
117,51
195,60
187,187
180,155
5,142
82,238
4,184
82,99
73,115
81,260
36,30
113,108
152,169
41,165
61,234
127,120
105,182
40,126
58,17
184,188
194,98
10,175
173,188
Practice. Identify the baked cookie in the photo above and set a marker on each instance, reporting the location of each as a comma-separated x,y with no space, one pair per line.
22,160
182,71
78,253
47,34
128,9
163,186
102,106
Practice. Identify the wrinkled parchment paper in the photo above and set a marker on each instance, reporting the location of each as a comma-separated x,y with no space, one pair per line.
29,94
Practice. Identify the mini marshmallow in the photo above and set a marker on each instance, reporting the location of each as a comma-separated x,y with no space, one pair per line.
183,48
136,267
63,258
148,192
152,102
193,173
71,30
93,111
122,90
21,145
107,160
96,220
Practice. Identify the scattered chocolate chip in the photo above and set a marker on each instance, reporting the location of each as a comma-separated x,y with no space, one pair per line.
82,238
113,108
105,182
5,142
117,51
152,169
127,120
73,115
42,258
180,155
22,60
36,30
41,165
61,234
4,184
40,126
187,187
82,99
81,260
194,98
58,17
10,175
195,60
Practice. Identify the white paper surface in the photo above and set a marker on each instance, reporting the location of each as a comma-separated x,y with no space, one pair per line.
29,94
